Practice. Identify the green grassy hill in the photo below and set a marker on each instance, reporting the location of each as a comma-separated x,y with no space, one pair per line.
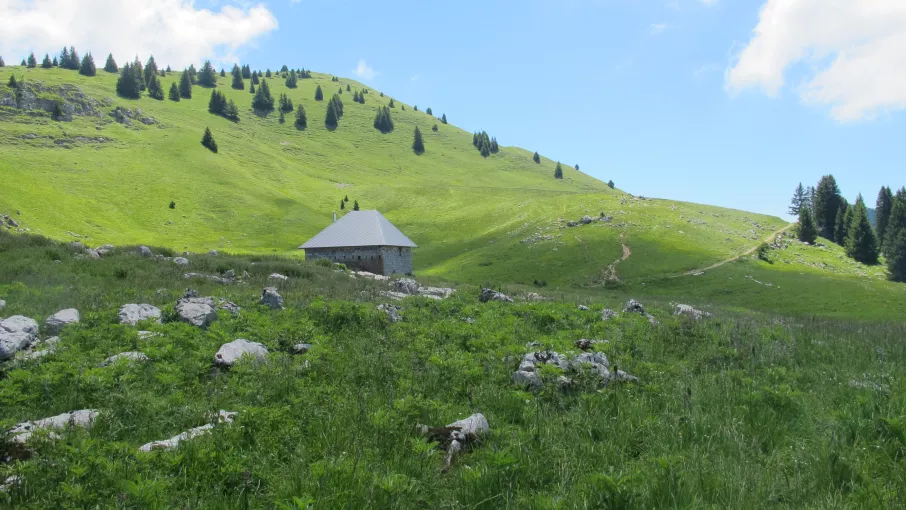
497,219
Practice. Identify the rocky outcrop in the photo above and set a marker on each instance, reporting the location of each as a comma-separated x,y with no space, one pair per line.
527,373
230,353
277,277
392,312
493,295
21,433
271,298
132,314
409,287
56,322
633,306
181,261
607,314
144,251
223,417
16,333
690,312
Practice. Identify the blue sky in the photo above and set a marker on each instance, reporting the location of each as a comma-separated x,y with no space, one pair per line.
669,98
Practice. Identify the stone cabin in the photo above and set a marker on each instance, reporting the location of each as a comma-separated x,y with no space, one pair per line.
363,240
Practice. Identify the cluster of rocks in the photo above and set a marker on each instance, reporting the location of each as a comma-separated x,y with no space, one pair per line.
271,298
19,334
22,432
493,295
458,435
392,312
367,275
633,306
690,312
537,237
527,373
405,287
33,95
125,116
5,220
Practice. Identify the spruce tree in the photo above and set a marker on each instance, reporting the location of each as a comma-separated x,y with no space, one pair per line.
841,224
434,128
74,60
558,172
382,121
238,83
222,73
185,85
174,92
418,144
301,119
536,158
231,111
428,111
87,68
494,147
151,68
286,104
32,61
443,118
64,57
348,88
267,74
338,106
22,64
861,242
246,72
807,231
2,63
896,261
217,102
342,205
193,74
255,78
284,69
355,205
55,62
403,107
331,119
798,200
57,112
252,88
46,63
291,80
155,91
110,66
208,140
139,75
207,77
882,212
392,104
128,84
319,96
263,101
415,107
12,83
826,205
577,167
610,184
896,223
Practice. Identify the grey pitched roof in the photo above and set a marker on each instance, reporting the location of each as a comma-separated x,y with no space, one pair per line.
359,228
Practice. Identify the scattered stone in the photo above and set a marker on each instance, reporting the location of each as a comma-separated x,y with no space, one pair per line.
144,251
10,482
16,333
392,311
56,322
213,252
92,254
493,295
633,306
436,292
230,306
197,311
167,444
607,314
301,348
406,286
585,220
230,353
585,344
132,357
868,385
39,349
271,298
132,314
533,296
457,435
527,373
213,277
366,274
399,296
21,433
230,274
277,276
144,335
692,313
583,308
2,304
181,261
526,378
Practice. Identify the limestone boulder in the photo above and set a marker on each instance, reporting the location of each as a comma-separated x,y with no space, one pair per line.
132,314
197,311
56,322
230,353
22,432
271,298
132,357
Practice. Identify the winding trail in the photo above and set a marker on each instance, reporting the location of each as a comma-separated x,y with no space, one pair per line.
737,257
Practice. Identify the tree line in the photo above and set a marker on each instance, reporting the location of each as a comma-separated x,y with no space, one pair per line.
823,212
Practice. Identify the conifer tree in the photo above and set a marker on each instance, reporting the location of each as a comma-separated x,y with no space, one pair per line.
558,172
428,111
2,63
139,75
64,58
222,73
841,225
174,92
577,167
57,112
263,101
185,85
284,69
610,184
87,68
207,77
291,80
536,158
255,78
494,147
382,120
246,72
252,88
355,205
338,106
861,242
286,104
217,102
896,223
807,231
151,68
798,200
74,60
110,66
168,69
318,94
348,88
434,128
55,62
129,84
882,212
282,118
342,205
193,74
443,118
415,107
267,74
896,261
238,83
12,83
403,107
331,119
208,140
46,63
32,61
418,145
22,64
231,111
826,205
155,90
301,119
392,104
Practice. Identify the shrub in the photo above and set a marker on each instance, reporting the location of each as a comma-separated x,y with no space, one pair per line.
172,204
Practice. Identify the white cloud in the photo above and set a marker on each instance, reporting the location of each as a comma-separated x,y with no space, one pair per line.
855,51
364,71
708,2
657,28
174,31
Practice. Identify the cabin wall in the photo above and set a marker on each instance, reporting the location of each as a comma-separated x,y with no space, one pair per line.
383,260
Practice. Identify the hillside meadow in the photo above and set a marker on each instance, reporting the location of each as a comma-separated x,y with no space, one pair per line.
733,411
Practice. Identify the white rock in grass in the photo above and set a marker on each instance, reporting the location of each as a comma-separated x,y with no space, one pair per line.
132,356
526,378
167,444
132,314
144,251
230,353
10,482
16,333
144,335
196,311
19,324
271,298
21,433
2,304
181,261
278,277
465,432
56,322
689,311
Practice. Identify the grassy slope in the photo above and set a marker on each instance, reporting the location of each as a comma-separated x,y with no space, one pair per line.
272,186
736,412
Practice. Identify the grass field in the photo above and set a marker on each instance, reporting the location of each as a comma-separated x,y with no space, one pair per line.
499,219
739,411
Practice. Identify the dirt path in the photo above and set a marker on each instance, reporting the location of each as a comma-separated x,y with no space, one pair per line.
737,257
610,272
